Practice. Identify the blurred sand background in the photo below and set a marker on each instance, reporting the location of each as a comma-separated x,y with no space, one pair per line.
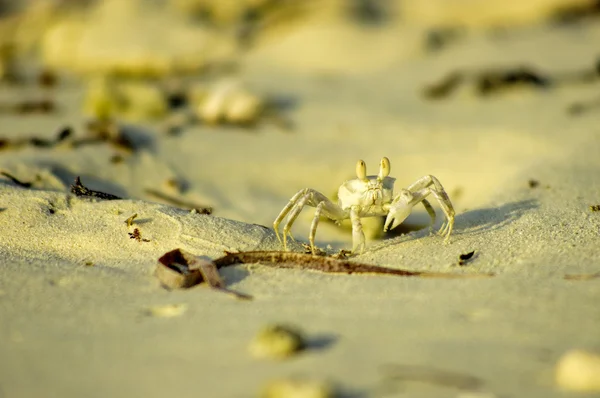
319,85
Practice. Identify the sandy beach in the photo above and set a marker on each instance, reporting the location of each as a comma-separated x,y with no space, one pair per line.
82,313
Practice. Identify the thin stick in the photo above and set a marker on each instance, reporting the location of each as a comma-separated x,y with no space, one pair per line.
326,264
433,376
582,277
16,180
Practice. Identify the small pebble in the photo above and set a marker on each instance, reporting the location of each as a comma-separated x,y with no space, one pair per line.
297,388
277,342
579,370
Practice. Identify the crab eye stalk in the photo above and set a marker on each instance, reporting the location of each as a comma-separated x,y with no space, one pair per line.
384,168
361,170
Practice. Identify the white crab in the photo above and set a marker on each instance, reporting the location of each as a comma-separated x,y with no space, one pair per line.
368,196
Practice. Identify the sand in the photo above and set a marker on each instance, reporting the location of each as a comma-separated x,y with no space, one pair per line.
81,313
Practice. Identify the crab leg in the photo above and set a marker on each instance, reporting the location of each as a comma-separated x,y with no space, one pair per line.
448,210
433,186
358,236
286,210
305,197
330,210
430,211
292,217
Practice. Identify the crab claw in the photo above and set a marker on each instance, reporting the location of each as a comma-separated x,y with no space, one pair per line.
399,210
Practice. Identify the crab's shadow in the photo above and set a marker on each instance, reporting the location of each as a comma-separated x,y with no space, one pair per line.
478,221
469,223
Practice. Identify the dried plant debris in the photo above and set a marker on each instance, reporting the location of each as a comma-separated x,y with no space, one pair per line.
318,250
425,374
340,255
576,12
582,277
581,107
32,106
47,78
117,159
277,342
437,39
80,190
463,259
445,87
97,131
137,235
15,180
63,135
178,269
331,265
595,208
487,82
179,202
129,221
108,131
492,81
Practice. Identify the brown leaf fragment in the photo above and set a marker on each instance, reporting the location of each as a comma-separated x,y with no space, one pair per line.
173,270
463,259
331,265
178,269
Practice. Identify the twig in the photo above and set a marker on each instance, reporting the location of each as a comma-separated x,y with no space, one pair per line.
326,264
432,376
16,180
80,190
178,202
38,142
129,221
582,277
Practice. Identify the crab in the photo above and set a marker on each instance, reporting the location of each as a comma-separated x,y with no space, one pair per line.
368,196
